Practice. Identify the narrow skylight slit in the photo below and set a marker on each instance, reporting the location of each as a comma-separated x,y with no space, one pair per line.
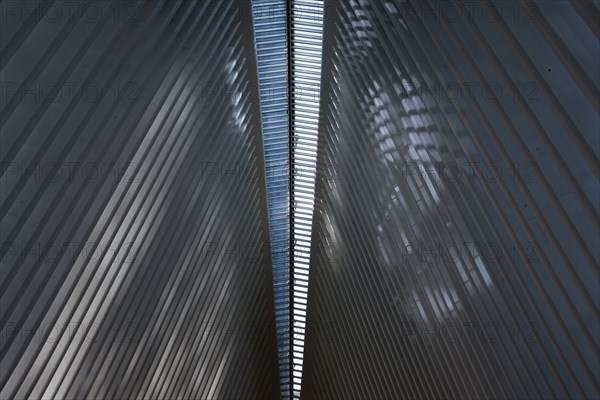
306,54
306,22
270,29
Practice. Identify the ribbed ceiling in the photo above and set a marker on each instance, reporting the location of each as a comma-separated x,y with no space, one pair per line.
455,242
135,241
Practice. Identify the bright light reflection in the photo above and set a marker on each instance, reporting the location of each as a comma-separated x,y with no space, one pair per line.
307,40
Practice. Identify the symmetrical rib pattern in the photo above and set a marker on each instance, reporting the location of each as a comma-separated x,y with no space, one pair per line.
270,25
306,28
455,242
135,243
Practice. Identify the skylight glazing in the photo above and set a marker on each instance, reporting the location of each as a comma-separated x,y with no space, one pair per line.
272,18
270,24
306,52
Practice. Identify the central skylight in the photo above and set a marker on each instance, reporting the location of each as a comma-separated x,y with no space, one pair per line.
270,29
280,76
